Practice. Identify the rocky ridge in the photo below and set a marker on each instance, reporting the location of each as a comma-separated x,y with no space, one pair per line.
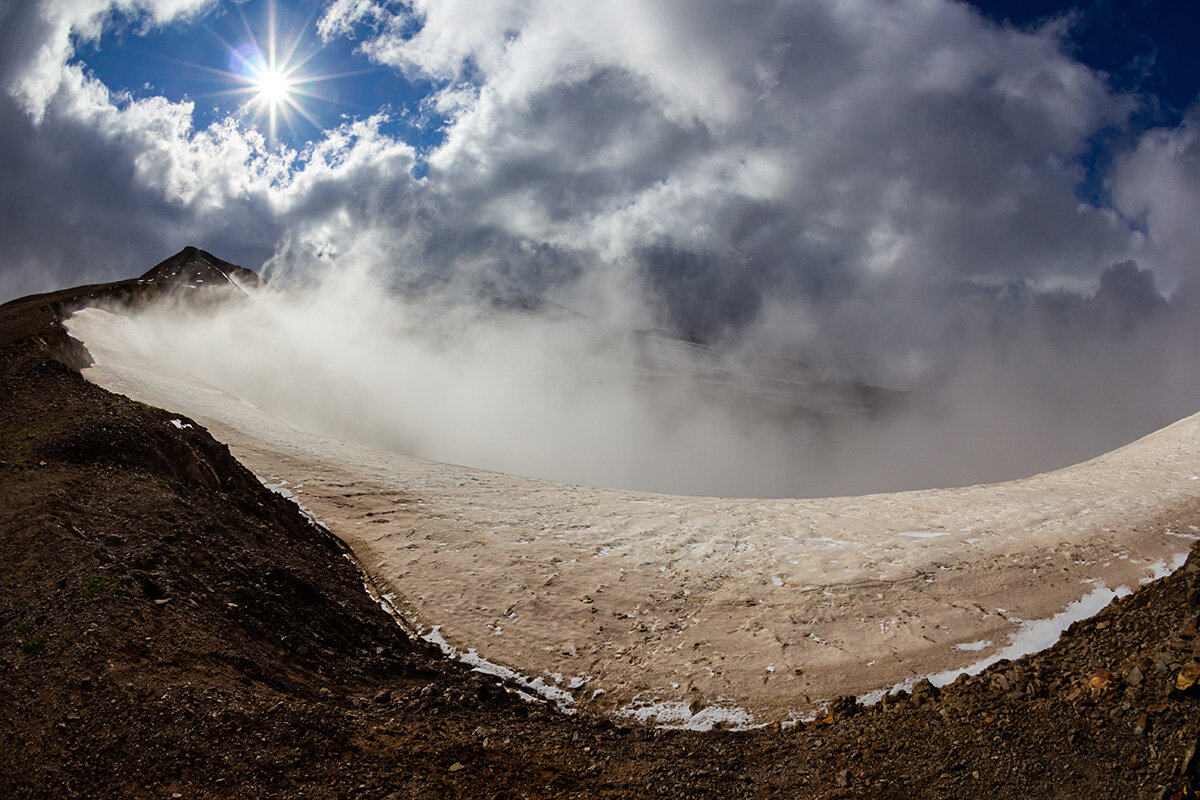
171,628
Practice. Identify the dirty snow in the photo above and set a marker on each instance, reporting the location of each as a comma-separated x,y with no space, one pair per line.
692,598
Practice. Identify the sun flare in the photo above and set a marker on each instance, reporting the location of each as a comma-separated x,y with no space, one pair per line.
273,87
276,69
272,72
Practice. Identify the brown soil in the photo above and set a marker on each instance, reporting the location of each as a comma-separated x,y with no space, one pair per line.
169,627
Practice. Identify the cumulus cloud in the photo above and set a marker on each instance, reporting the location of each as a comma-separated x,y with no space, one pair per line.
1157,185
804,145
888,190
99,184
723,154
850,164
38,38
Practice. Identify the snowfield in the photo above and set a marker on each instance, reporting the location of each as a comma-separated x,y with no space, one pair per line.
688,611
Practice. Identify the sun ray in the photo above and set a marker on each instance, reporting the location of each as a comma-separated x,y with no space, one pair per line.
271,73
270,70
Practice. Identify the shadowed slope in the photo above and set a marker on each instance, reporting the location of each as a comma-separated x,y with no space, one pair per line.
162,634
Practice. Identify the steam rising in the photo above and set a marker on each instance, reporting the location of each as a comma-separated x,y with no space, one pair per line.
1036,383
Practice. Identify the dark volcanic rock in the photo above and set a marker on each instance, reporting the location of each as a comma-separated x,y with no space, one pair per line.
195,268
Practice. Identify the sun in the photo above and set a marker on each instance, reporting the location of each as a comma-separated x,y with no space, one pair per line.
272,73
275,92
271,79
275,73
273,86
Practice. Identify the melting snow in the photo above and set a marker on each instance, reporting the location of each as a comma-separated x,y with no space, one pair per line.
676,714
560,697
1036,635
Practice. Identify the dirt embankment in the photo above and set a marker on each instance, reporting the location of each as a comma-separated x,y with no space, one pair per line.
170,627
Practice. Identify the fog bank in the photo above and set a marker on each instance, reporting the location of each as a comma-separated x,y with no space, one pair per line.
1009,386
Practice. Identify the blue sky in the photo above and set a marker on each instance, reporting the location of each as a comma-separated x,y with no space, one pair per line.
1146,48
1146,45
1143,47
826,178
202,61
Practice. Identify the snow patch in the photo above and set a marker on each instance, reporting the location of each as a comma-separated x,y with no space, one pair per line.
677,715
564,700
1036,635
1191,537
280,488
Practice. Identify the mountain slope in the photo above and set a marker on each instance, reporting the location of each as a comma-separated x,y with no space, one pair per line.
168,626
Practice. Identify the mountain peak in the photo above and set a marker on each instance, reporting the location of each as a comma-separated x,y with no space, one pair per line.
194,267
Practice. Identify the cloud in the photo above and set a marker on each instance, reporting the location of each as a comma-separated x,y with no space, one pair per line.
1157,184
99,185
38,38
826,153
889,191
560,396
815,151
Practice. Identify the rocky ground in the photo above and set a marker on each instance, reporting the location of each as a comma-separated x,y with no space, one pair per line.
171,628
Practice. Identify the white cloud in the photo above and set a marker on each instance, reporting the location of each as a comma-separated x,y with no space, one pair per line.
1158,184
812,144
851,163
340,17
885,189
101,185
41,34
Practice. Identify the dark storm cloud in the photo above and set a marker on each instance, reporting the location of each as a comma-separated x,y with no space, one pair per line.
23,32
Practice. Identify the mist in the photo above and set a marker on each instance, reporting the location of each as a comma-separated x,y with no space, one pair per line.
1008,384
884,245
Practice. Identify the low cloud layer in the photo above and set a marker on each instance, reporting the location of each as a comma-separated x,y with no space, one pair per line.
890,192
549,393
